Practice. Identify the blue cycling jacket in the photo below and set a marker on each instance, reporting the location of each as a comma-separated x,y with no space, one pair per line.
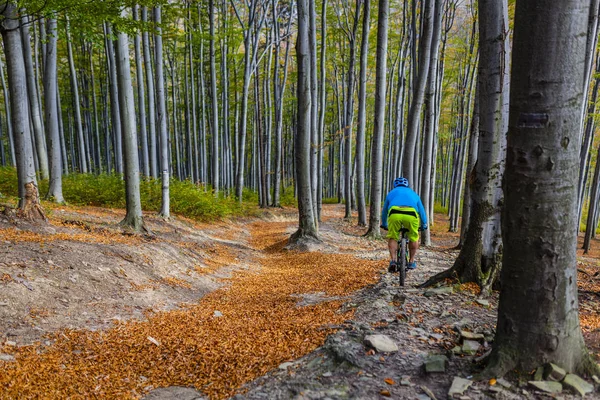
403,196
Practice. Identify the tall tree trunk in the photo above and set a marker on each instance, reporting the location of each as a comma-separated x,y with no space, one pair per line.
29,202
378,125
8,116
539,227
51,109
34,102
152,148
349,112
414,112
161,115
430,118
114,99
307,228
133,217
139,73
362,105
214,101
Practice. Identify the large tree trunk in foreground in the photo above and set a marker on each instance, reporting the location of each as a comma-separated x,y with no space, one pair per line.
307,227
540,221
29,202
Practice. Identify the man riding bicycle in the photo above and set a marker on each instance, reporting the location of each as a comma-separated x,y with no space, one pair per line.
403,208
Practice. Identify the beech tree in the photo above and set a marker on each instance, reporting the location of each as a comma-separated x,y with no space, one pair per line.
480,256
51,112
307,227
539,225
29,199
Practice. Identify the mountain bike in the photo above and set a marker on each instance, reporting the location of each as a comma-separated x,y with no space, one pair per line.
403,256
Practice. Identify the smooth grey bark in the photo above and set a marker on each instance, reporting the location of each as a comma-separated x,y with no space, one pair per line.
139,73
51,110
414,112
322,108
215,178
379,120
590,226
83,167
29,206
202,93
8,115
196,155
97,149
151,120
161,115
35,112
362,105
349,110
307,228
133,217
114,98
539,227
251,31
430,118
471,160
278,93
314,108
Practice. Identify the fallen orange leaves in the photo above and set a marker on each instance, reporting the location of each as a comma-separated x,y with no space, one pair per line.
261,326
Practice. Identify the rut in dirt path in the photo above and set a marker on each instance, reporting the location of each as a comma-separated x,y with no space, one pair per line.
233,335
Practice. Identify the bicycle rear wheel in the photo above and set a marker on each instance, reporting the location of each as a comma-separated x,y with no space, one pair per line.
402,264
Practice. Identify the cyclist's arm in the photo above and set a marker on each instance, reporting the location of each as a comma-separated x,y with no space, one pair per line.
422,213
384,213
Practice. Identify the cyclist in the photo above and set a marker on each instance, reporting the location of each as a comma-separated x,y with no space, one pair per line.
403,207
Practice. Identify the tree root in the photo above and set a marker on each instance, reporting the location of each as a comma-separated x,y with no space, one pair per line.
449,273
31,208
499,363
587,366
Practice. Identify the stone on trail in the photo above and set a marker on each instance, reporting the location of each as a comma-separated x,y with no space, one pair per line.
7,357
436,363
539,374
483,302
466,335
470,347
596,379
504,383
285,365
217,314
440,290
381,343
459,386
175,393
547,386
553,372
577,384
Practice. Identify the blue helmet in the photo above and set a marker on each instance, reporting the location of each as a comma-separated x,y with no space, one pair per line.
400,182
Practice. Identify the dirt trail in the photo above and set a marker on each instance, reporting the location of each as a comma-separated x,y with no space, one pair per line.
273,310
221,310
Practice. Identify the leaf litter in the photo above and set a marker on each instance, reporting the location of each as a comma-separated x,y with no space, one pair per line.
261,326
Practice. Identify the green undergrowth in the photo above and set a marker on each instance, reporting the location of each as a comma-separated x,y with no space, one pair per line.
186,199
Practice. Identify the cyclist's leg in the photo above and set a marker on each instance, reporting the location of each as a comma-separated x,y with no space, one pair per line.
413,235
394,225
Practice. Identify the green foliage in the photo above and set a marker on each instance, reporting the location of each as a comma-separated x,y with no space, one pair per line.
287,197
439,209
187,199
332,200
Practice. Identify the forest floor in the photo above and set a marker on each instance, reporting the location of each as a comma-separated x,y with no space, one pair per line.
222,310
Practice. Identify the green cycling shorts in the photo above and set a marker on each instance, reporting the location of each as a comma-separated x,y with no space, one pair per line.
397,220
